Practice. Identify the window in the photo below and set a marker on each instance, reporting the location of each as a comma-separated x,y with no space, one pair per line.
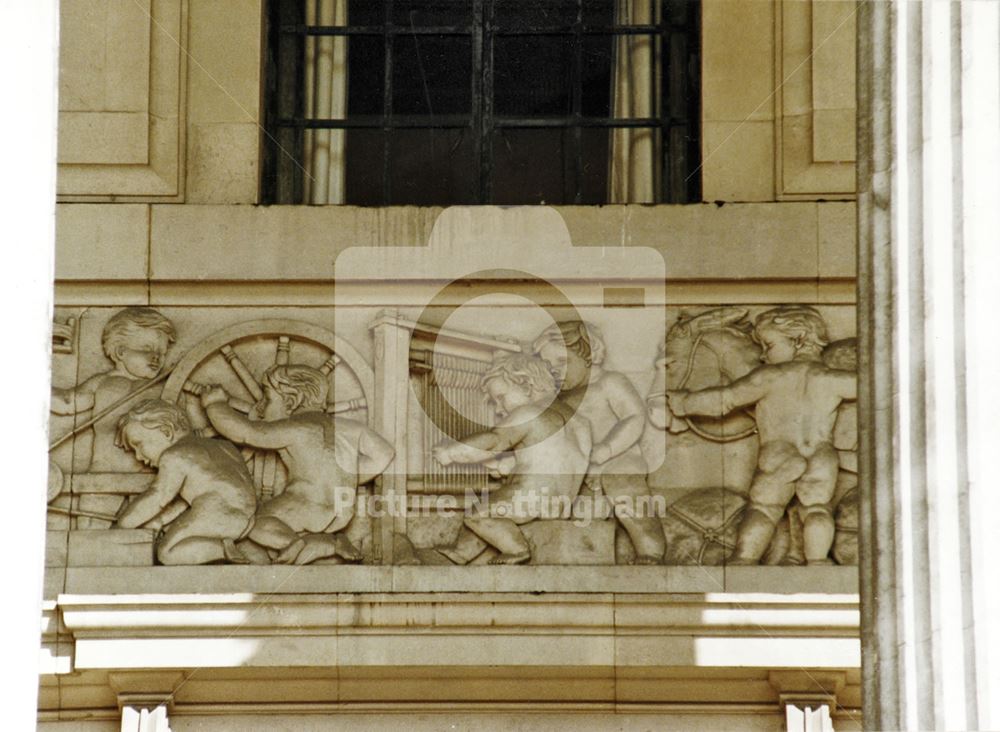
440,102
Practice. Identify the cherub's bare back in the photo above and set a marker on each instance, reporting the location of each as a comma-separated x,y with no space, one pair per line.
799,404
321,456
795,402
212,469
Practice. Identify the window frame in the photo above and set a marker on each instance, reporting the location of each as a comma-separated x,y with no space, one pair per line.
679,31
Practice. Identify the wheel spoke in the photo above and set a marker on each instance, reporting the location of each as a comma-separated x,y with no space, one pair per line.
330,364
351,405
283,352
242,372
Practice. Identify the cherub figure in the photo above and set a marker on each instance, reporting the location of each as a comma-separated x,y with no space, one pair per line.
136,340
202,495
543,452
327,459
574,351
796,397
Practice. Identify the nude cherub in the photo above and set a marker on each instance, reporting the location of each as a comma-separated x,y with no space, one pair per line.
202,493
327,459
574,351
135,340
550,454
797,397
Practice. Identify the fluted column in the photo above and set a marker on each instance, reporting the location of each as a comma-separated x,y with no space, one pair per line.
929,320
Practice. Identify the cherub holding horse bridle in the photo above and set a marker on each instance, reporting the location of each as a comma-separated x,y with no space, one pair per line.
795,397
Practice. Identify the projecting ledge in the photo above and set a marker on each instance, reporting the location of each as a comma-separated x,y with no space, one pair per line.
327,579
461,629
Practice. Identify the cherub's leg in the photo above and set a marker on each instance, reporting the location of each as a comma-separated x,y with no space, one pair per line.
322,546
779,465
273,533
469,544
254,552
630,497
815,491
234,555
185,542
467,547
206,532
194,550
281,521
796,551
505,535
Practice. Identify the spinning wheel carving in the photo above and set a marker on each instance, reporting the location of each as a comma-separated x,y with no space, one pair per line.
236,359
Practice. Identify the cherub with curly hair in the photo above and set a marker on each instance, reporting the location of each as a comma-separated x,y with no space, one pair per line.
574,351
550,457
135,340
203,496
327,459
796,398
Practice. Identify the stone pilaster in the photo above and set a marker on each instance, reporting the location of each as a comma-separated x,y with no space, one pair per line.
929,236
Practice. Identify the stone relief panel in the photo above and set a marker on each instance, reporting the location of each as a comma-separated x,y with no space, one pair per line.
780,380
517,435
139,470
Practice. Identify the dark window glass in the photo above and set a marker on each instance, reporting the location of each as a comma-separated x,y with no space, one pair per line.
483,101
530,74
366,84
426,13
430,75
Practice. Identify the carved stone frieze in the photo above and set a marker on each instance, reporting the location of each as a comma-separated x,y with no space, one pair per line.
196,436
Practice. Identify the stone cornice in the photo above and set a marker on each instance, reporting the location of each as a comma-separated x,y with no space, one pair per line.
227,630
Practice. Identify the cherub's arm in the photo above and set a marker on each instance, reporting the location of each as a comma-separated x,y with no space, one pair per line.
501,466
236,427
473,449
656,408
174,509
721,400
845,383
164,489
630,410
75,399
374,457
485,445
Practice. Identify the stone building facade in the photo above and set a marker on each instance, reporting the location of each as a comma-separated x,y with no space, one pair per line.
171,278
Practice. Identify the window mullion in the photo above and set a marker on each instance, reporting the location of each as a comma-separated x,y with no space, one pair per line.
482,95
578,104
659,60
387,40
287,142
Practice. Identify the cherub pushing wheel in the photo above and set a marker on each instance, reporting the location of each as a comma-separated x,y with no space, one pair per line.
288,419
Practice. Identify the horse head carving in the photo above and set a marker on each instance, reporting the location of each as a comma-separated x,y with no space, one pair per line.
707,349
